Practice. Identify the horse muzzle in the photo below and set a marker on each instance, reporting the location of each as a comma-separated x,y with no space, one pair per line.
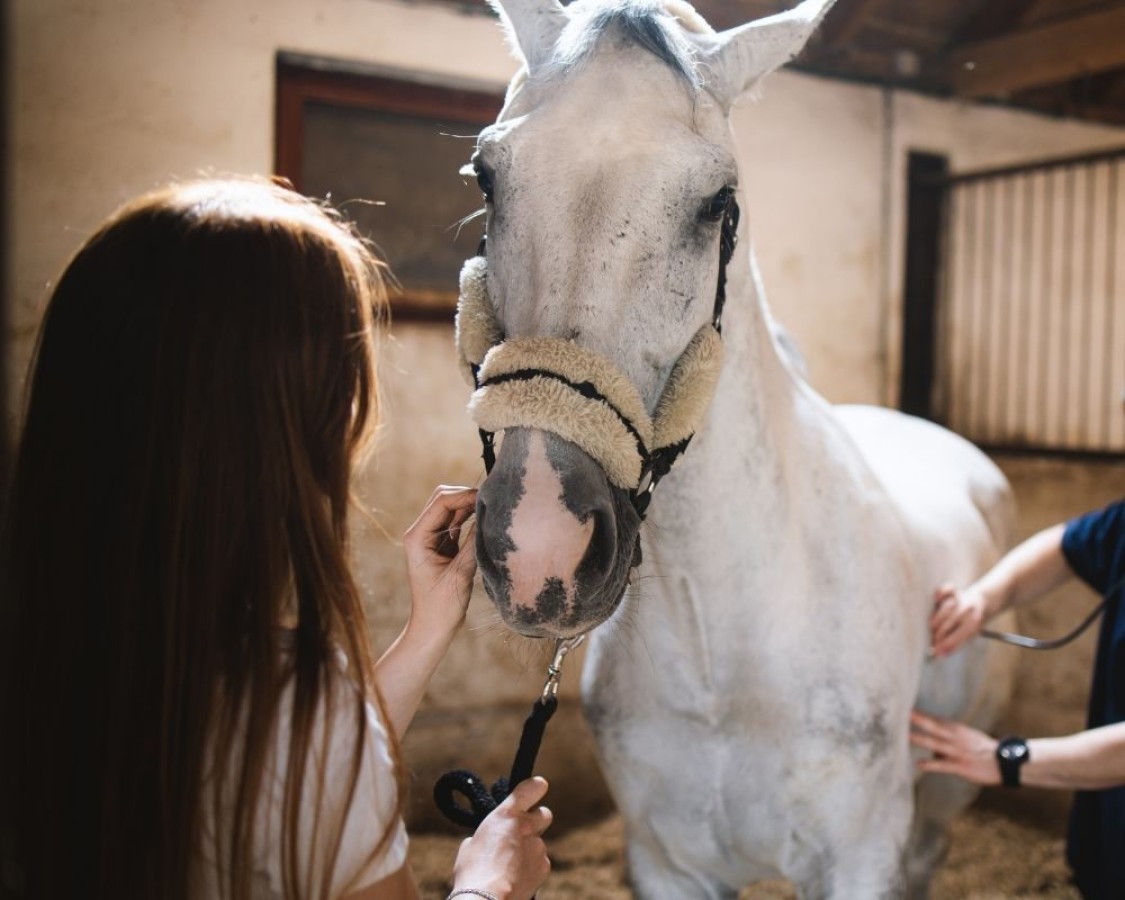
555,540
559,515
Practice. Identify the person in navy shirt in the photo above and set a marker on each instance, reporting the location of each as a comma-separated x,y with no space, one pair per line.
1091,762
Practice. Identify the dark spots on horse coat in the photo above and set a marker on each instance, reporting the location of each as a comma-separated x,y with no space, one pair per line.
575,481
856,725
508,478
549,604
874,733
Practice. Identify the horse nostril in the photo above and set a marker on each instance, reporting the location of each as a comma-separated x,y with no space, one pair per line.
602,550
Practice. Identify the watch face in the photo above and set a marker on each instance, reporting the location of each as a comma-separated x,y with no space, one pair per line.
1014,750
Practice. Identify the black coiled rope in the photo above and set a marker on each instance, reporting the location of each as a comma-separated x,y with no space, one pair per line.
482,799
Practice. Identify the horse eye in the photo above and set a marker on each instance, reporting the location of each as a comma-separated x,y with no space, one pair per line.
718,205
484,179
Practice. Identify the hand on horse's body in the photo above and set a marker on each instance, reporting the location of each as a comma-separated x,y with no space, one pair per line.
441,563
958,749
959,614
507,856
1090,760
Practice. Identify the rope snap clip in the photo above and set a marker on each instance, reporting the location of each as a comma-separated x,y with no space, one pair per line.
554,671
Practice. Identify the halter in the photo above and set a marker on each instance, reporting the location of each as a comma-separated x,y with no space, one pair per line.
558,386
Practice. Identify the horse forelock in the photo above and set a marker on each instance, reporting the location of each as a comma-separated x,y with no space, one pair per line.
658,26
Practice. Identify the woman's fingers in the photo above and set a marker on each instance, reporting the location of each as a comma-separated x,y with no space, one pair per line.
466,558
962,631
931,733
527,794
948,615
539,820
955,620
942,736
438,528
945,627
941,766
958,749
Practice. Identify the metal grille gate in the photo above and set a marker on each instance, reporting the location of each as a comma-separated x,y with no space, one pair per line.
1031,309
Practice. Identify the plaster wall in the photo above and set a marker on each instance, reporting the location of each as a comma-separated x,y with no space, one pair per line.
825,169
113,97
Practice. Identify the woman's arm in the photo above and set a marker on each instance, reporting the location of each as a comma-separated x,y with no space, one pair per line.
441,568
1034,568
1087,761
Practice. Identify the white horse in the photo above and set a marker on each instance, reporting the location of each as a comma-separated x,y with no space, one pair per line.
750,691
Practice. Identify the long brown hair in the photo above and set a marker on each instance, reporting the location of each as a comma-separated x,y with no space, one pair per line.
202,385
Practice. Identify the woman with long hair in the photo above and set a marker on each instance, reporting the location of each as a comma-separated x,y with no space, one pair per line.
193,707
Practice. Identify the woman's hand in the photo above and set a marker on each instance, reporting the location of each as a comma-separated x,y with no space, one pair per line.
958,749
1034,568
440,565
507,856
958,616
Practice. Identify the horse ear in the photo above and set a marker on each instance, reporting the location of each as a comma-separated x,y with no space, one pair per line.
740,57
533,26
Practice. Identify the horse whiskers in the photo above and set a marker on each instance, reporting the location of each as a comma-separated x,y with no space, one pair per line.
624,624
524,650
461,223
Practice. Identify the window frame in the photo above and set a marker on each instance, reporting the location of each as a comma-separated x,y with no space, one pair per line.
301,79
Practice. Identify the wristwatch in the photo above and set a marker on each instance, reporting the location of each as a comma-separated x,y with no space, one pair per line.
1011,753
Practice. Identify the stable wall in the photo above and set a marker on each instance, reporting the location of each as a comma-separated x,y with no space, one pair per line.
114,97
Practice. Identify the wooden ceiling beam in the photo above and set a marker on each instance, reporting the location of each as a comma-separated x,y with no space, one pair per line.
844,21
991,19
1047,54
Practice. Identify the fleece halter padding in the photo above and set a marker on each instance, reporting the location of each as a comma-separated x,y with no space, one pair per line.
561,387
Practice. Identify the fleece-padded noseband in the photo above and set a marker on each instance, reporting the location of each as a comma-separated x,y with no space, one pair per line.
559,386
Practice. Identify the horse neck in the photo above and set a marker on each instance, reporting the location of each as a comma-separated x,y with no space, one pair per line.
767,431
762,407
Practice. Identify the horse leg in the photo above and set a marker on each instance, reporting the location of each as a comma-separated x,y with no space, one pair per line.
654,875
871,873
929,842
863,854
938,800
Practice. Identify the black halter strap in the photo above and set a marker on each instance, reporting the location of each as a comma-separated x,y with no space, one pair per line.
728,240
657,463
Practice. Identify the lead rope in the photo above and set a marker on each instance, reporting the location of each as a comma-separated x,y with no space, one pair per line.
483,800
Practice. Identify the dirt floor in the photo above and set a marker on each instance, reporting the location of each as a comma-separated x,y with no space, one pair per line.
1009,845
992,857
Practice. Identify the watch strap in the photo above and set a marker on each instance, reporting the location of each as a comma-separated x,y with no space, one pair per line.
1011,753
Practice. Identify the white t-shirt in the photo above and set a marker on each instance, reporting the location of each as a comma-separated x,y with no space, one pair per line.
372,806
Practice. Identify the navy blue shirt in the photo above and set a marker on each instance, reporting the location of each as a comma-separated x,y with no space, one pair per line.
1094,546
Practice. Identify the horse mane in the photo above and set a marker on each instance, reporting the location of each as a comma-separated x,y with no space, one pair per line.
658,26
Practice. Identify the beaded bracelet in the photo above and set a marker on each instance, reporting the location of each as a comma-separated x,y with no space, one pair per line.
477,892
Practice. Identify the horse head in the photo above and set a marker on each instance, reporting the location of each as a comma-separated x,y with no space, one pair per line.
589,323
